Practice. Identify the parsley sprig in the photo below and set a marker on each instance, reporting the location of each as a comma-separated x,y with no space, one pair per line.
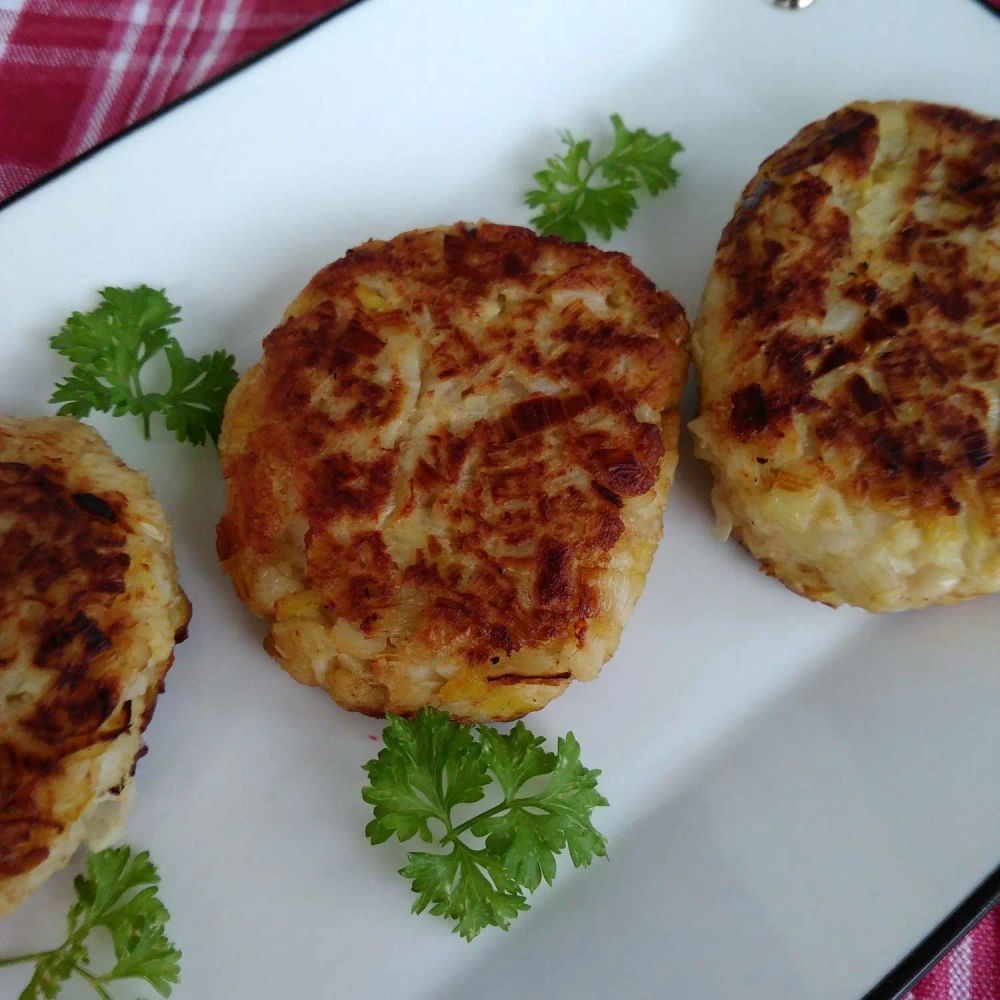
430,766
118,893
110,346
571,200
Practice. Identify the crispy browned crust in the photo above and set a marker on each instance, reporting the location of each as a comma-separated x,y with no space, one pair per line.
886,215
71,556
351,433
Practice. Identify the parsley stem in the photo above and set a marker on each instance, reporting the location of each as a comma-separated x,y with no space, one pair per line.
454,832
17,959
95,982
581,187
139,394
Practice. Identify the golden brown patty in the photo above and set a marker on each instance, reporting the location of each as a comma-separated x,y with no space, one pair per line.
447,475
89,613
848,349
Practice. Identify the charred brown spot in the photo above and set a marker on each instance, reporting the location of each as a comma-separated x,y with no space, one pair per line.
60,542
608,495
865,397
954,304
513,265
96,505
874,330
75,714
357,340
515,483
357,578
889,448
901,245
343,485
954,118
807,195
835,358
469,256
554,571
970,182
752,198
897,316
772,283
792,355
538,414
139,754
748,415
549,679
850,135
82,633
622,472
754,194
862,290
977,448
14,859
610,529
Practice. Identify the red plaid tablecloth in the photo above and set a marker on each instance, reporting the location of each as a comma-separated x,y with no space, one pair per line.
74,72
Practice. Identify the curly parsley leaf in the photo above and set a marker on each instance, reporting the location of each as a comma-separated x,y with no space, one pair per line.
193,405
576,193
426,769
108,348
529,834
431,765
464,885
118,892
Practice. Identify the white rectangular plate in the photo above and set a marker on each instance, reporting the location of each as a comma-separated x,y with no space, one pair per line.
797,794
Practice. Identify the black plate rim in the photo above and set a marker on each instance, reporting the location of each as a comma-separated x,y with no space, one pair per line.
913,966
